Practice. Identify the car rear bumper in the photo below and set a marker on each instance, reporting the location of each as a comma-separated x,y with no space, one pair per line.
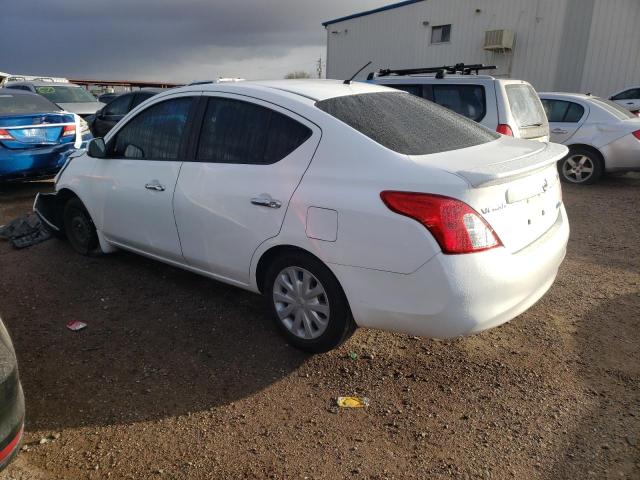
457,295
33,163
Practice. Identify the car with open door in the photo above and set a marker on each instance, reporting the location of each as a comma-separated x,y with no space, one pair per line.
343,204
601,135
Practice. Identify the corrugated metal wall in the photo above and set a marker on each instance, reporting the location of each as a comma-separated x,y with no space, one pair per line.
548,38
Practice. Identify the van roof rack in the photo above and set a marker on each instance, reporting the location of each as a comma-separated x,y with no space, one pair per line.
440,72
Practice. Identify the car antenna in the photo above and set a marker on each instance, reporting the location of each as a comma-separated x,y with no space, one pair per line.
348,82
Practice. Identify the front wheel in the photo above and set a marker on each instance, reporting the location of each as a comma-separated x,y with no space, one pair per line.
581,166
307,303
79,227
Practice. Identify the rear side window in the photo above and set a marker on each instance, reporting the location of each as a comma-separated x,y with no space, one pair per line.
467,100
20,103
155,133
405,123
234,131
562,111
525,105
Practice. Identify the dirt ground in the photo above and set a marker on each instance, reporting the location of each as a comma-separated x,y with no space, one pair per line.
179,377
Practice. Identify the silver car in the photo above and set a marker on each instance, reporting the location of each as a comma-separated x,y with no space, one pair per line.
601,135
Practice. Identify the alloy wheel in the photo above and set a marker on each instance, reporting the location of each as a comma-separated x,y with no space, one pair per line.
578,168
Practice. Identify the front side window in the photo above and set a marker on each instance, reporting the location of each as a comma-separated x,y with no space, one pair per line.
234,131
467,100
139,98
405,123
118,106
65,94
441,34
155,133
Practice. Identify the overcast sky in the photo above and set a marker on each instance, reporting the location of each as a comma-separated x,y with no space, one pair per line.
167,40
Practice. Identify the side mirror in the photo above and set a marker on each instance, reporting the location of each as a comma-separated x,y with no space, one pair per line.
97,148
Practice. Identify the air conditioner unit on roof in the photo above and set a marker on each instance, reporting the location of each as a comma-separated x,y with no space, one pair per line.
499,39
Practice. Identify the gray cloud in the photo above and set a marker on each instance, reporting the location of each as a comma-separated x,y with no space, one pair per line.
178,40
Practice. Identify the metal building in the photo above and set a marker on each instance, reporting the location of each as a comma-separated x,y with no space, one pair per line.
557,45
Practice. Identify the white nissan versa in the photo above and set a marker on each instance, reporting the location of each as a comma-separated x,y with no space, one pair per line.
344,204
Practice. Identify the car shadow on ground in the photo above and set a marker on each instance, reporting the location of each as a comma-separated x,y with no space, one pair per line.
608,370
160,341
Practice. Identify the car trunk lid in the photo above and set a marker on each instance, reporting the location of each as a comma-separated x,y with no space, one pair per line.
35,130
513,183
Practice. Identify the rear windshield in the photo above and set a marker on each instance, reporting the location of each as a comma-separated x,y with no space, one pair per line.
65,94
20,104
405,123
525,105
613,108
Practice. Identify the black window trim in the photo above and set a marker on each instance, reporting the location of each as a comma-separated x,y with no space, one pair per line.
183,149
198,122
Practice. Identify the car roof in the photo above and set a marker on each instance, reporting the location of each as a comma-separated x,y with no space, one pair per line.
567,95
42,83
314,90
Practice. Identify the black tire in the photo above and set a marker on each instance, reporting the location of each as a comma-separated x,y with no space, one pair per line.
339,324
79,228
581,166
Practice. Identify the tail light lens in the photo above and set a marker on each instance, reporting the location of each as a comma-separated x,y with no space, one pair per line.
636,134
5,135
504,129
456,226
68,130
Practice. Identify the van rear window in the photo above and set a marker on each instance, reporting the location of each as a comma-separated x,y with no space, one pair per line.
405,123
525,105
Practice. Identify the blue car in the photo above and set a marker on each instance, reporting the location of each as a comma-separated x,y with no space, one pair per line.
36,136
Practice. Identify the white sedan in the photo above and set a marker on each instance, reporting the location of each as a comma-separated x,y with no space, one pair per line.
344,204
629,98
601,136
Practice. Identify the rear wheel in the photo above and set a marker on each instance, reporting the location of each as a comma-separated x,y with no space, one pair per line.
79,228
581,166
307,303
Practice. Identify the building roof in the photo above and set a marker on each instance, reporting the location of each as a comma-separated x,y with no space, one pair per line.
371,12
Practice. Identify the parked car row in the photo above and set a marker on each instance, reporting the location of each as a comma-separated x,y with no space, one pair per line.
603,136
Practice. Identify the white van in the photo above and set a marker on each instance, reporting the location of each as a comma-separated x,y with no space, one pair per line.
507,106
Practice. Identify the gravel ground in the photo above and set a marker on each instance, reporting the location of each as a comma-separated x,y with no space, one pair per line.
181,377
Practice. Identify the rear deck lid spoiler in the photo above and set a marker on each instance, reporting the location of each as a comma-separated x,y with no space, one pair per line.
496,162
511,169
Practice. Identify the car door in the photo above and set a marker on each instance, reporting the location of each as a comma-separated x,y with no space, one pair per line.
111,114
135,184
250,157
564,118
629,99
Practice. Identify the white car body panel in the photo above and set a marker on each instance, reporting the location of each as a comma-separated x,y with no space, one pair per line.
600,129
391,268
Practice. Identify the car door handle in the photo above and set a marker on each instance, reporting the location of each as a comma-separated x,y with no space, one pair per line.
154,186
558,130
265,200
629,103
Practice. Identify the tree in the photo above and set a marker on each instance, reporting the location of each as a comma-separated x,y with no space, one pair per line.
297,74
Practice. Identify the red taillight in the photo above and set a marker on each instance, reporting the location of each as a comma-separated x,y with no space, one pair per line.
504,129
5,135
68,130
636,134
456,226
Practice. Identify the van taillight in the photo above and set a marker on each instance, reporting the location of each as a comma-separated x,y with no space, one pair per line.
636,134
456,226
504,129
